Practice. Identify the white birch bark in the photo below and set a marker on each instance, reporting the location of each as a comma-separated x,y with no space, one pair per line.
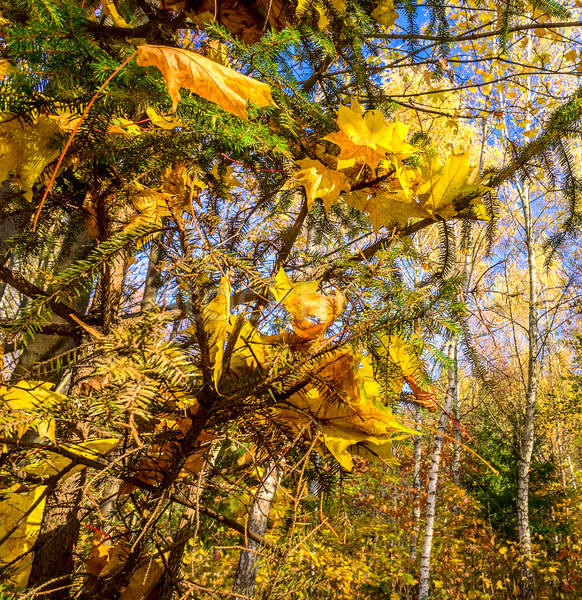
528,429
433,474
246,572
417,441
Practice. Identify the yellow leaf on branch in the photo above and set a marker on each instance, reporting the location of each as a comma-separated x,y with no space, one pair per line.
385,13
320,182
346,406
26,150
19,403
151,205
14,504
446,182
161,121
368,138
405,365
219,84
312,311
216,315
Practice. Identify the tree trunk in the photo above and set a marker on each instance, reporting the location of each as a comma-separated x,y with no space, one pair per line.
153,281
246,572
417,441
433,482
528,429
52,564
456,430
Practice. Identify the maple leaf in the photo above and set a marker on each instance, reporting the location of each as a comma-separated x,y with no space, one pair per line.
161,121
445,182
219,84
26,150
303,6
216,315
349,414
320,182
49,463
13,508
29,397
312,312
386,208
367,138
152,207
385,14
409,368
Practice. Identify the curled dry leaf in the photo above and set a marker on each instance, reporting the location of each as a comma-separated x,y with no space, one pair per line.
219,84
312,312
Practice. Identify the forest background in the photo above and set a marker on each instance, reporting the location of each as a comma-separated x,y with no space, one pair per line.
290,299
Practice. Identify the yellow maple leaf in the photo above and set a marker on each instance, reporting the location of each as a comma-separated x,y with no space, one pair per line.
216,316
349,414
250,351
219,84
49,463
109,9
13,506
387,207
445,182
26,150
5,68
367,138
161,121
405,365
303,6
385,14
143,580
320,182
312,312
30,396
152,207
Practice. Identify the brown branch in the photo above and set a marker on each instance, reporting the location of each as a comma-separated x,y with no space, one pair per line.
480,35
20,283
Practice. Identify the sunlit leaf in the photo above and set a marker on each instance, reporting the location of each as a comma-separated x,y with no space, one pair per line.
219,84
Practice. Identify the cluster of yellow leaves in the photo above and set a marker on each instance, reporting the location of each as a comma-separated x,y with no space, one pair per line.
219,84
343,399
21,510
371,174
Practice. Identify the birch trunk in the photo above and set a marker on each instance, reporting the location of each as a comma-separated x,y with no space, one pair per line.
246,572
433,474
417,441
528,429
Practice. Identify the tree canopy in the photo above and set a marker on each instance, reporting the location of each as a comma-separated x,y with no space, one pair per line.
230,246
